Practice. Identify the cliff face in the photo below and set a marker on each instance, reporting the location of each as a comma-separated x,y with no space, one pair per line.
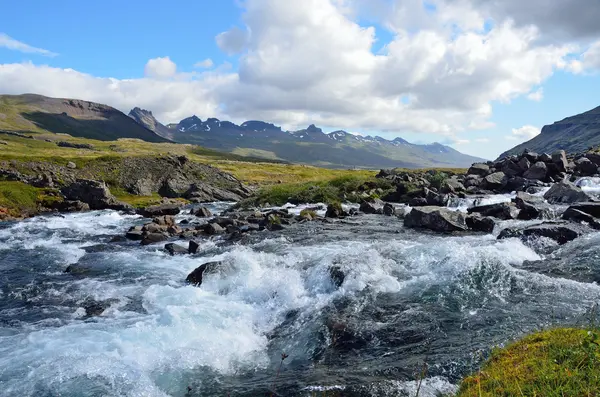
146,118
574,134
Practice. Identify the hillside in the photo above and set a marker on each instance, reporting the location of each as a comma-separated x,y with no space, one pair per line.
573,134
35,114
338,149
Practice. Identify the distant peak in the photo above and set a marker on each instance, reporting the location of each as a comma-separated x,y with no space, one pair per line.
313,128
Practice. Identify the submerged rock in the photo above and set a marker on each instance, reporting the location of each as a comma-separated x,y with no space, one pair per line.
561,232
176,249
195,277
479,223
337,276
438,219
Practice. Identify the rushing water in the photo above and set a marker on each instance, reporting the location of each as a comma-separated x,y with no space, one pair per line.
408,299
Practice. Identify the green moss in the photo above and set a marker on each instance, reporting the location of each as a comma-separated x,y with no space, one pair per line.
133,200
558,362
308,213
17,198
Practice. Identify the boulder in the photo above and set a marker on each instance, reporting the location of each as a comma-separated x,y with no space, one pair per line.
175,249
160,210
536,171
202,212
436,199
193,247
545,157
524,164
504,211
472,180
337,276
374,206
591,208
389,209
71,165
453,185
565,193
164,220
335,210
70,206
135,233
532,207
510,168
594,157
531,156
559,158
575,215
418,202
435,218
561,232
213,228
479,223
585,167
95,193
195,277
495,181
480,169
153,238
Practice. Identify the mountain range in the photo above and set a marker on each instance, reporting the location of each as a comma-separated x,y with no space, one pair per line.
573,134
338,149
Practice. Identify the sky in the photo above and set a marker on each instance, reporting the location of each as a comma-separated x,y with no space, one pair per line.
479,75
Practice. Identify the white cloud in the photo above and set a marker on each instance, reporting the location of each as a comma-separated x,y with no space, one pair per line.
590,59
160,68
482,140
8,42
232,41
205,64
524,133
536,95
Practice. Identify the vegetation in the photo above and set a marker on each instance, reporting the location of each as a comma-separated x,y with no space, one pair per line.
133,200
305,213
558,362
17,198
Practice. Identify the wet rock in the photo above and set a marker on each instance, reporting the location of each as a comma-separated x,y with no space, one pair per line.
95,193
195,277
495,181
532,207
94,308
213,229
479,223
71,206
135,235
175,249
337,276
435,218
575,215
374,206
153,238
418,202
536,171
565,193
164,220
436,199
594,157
202,212
389,209
591,208
585,166
334,210
504,211
160,210
561,232
480,169
193,247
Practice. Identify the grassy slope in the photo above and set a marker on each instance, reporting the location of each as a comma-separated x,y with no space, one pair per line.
558,362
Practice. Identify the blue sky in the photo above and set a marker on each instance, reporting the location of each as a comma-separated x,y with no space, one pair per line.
481,78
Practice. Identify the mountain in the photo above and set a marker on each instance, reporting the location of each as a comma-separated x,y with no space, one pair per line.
145,118
573,134
37,113
338,149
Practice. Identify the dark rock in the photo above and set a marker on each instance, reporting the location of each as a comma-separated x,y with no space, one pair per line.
559,159
195,277
585,167
337,276
334,210
159,210
472,181
592,208
504,211
152,238
531,156
495,181
510,168
558,231
95,308
418,202
480,224
435,218
532,207
136,235
480,169
389,209
565,193
575,215
545,157
75,145
95,193
536,171
594,157
71,206
453,185
193,247
524,164
213,228
202,212
374,206
436,199
175,249
164,220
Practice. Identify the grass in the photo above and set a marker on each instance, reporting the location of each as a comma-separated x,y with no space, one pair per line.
557,362
133,200
18,198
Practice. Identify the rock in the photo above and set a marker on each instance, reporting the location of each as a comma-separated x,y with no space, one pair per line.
436,199
435,218
374,206
152,238
532,207
545,157
334,210
495,181
575,215
213,228
95,193
565,193
160,210
202,212
195,277
164,220
558,231
193,247
585,167
71,165
510,168
559,159
591,208
337,276
531,156
453,185
71,206
175,249
480,224
524,164
75,145
480,169
504,211
389,209
537,171
95,308
135,235
418,202
594,157
472,180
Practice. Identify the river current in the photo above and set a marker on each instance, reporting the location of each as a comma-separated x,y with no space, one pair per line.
412,305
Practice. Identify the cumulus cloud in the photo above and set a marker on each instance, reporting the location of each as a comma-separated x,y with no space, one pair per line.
205,64
524,133
232,41
160,68
8,42
536,95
